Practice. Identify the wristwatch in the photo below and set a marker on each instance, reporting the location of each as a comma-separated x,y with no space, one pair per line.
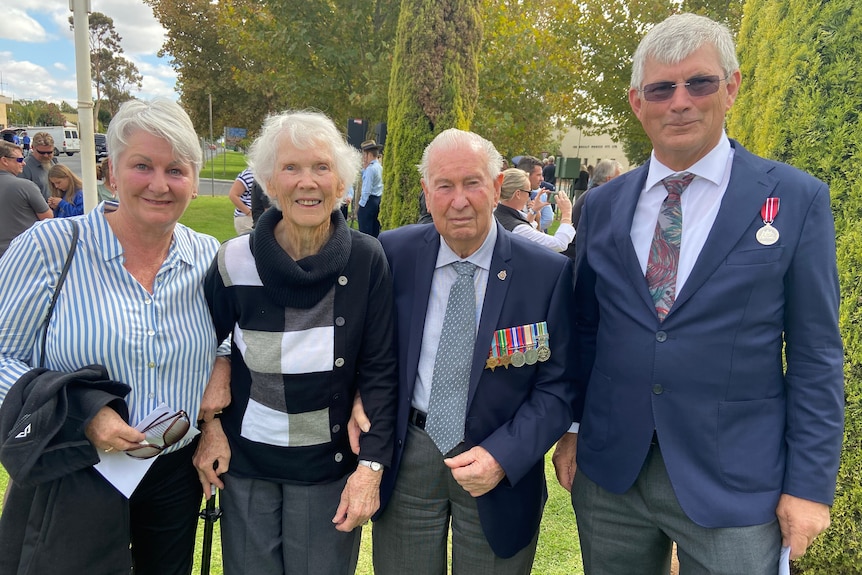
372,465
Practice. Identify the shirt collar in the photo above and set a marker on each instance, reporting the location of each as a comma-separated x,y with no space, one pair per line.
710,167
480,258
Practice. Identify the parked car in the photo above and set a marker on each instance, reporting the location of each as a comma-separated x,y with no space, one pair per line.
101,146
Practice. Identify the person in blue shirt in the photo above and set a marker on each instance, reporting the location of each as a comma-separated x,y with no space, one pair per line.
372,189
67,195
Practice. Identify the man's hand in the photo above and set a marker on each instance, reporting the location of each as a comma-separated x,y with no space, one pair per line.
801,520
564,456
108,432
357,424
476,471
217,392
360,499
212,457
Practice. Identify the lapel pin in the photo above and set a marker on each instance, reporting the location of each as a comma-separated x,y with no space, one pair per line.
502,275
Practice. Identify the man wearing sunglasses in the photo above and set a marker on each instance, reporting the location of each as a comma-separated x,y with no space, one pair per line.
706,309
39,161
22,204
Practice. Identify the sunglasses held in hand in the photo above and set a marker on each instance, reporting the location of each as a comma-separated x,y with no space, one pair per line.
161,434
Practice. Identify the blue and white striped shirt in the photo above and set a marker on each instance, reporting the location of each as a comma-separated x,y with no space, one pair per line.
162,344
247,179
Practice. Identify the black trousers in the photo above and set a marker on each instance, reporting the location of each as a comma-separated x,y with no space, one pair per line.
164,516
367,217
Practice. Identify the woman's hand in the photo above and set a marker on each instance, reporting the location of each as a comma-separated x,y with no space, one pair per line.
357,424
217,392
108,432
360,499
212,457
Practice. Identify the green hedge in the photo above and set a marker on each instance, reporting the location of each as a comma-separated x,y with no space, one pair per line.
800,103
433,87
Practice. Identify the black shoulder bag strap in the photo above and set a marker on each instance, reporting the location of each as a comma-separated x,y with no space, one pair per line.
60,281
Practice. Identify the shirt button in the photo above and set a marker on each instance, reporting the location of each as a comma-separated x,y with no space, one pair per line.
657,389
338,457
151,364
339,362
336,396
336,428
342,280
151,332
661,336
159,279
151,395
148,301
339,321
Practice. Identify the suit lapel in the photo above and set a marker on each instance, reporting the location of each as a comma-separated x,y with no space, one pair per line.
747,190
623,212
499,278
426,259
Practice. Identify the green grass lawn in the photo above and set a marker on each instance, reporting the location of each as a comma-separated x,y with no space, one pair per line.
224,166
558,552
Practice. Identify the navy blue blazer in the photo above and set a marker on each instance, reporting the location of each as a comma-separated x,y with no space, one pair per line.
517,414
736,428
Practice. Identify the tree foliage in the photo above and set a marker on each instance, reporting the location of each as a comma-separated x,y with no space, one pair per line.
257,57
112,73
35,113
434,87
799,103
526,77
603,35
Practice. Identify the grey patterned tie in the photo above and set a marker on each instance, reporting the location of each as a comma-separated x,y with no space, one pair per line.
448,405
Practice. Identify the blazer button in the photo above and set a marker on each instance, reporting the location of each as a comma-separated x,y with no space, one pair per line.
339,321
342,280
336,428
339,362
661,336
338,457
657,389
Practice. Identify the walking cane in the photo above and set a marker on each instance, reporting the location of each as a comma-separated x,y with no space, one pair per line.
210,515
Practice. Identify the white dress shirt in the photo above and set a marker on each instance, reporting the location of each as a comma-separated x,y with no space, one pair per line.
441,283
700,204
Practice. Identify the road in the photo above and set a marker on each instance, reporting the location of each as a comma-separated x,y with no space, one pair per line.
205,188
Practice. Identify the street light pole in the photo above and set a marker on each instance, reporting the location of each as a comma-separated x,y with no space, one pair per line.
209,148
86,125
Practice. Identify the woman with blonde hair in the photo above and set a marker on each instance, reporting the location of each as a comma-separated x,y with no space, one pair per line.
67,194
514,196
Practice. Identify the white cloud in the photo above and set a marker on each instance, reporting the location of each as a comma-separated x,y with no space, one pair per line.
17,25
60,66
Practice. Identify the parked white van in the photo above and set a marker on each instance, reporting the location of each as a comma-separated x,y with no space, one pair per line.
65,138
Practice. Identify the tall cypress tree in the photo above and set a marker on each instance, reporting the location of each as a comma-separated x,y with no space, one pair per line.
433,87
800,103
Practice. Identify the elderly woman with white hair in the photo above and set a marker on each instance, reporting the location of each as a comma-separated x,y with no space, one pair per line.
309,304
132,305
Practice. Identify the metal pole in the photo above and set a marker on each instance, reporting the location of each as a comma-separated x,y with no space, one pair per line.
224,150
209,148
86,129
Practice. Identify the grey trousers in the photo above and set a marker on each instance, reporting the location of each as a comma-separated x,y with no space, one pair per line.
410,537
280,529
633,532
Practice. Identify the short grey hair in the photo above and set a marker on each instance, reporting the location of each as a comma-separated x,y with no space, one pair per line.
454,138
160,117
304,129
605,170
677,37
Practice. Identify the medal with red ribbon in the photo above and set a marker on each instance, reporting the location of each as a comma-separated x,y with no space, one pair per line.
768,235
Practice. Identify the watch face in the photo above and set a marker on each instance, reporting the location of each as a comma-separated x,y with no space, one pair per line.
375,466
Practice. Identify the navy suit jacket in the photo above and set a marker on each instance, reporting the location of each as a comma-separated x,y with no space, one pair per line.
517,414
736,428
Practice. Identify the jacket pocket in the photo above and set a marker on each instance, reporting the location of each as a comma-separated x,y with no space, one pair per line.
751,447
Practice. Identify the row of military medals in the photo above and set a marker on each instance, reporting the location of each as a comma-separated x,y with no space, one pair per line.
519,346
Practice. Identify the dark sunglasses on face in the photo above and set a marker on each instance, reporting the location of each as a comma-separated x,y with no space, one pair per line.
45,153
161,434
697,87
18,159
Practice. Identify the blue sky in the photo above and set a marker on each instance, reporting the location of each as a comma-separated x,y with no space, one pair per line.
37,52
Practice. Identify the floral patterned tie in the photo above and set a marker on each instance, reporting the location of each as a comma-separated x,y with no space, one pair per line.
664,252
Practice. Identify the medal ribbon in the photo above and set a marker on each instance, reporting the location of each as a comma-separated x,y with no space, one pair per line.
769,210
543,331
517,338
